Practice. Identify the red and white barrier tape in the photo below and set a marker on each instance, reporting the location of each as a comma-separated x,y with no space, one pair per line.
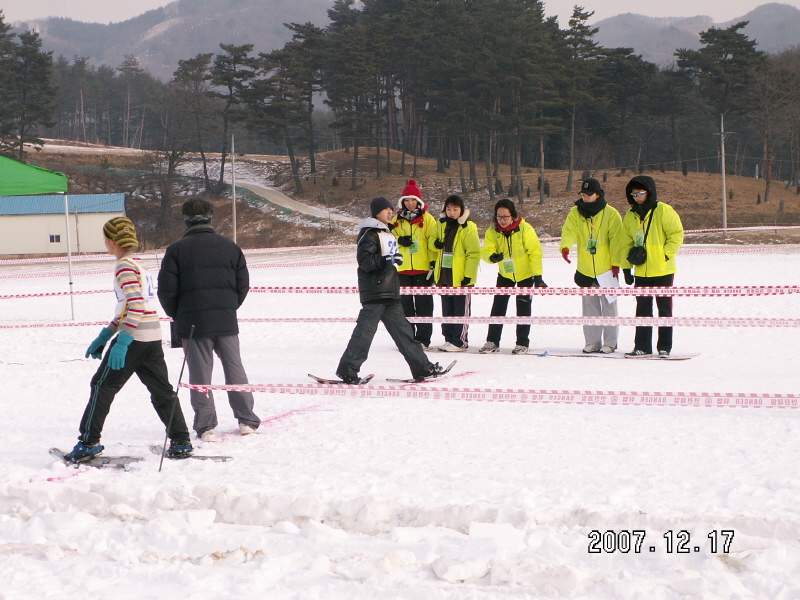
46,294
761,290
598,321
56,274
66,324
300,264
754,228
689,399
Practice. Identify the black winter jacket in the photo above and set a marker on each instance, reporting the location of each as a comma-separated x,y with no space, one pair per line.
202,281
377,279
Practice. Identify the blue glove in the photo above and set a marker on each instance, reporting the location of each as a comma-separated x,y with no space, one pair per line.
395,259
116,356
95,349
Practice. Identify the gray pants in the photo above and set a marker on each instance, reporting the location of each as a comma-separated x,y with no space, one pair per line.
200,359
597,335
393,318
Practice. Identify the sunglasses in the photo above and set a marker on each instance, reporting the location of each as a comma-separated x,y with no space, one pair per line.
638,194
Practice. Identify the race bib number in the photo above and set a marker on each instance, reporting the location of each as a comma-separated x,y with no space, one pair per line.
388,244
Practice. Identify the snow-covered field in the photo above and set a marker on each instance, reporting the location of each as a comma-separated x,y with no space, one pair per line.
383,498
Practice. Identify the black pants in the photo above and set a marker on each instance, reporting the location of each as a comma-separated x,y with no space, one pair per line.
500,306
392,317
146,359
456,306
418,306
643,340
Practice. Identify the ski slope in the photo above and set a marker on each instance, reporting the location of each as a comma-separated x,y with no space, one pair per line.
342,497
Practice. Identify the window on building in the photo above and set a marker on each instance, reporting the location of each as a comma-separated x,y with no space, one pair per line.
55,239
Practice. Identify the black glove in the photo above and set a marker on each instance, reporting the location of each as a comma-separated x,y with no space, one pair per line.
391,226
394,259
433,264
438,244
628,276
465,281
404,240
538,281
496,257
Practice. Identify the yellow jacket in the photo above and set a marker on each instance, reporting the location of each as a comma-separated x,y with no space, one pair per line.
522,246
605,227
420,260
663,241
466,250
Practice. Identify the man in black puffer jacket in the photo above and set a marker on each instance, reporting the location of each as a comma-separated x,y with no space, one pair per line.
379,292
202,282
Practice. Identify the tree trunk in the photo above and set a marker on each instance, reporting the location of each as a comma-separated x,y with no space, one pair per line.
488,165
224,152
416,148
518,162
378,146
461,167
354,175
312,146
541,166
298,184
571,148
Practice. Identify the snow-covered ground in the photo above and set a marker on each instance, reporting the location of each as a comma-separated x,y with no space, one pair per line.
384,498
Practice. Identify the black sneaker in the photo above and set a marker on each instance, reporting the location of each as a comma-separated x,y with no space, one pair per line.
663,354
638,354
180,449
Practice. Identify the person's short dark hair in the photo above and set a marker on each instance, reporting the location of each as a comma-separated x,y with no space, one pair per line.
456,201
197,211
507,204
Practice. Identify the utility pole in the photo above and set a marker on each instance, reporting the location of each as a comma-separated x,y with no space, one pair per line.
722,133
233,186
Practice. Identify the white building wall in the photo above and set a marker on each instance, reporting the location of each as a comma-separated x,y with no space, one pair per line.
30,234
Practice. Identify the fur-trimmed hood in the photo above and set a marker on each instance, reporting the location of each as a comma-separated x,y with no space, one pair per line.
462,220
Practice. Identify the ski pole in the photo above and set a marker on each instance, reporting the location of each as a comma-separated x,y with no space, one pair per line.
175,400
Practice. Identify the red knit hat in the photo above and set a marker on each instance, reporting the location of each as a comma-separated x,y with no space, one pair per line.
411,191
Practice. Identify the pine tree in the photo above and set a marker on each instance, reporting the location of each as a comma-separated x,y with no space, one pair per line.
32,102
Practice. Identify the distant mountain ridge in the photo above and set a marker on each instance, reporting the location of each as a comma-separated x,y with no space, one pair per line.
160,38
774,26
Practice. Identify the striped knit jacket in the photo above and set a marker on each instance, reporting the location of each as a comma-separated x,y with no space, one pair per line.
135,291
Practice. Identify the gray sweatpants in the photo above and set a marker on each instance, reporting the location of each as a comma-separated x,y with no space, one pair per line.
597,335
200,359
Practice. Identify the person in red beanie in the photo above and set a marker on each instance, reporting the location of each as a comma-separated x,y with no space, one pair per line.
413,226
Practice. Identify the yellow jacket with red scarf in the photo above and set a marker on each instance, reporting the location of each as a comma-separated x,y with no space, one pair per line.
417,257
520,247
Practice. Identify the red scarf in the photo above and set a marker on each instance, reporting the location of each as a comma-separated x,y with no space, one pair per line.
510,228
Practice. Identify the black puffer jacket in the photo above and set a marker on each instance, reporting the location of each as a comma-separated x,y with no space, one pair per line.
202,281
377,279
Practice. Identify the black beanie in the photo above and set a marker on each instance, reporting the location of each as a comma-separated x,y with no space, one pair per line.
377,205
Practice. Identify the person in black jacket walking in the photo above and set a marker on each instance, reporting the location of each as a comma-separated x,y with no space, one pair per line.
379,292
202,282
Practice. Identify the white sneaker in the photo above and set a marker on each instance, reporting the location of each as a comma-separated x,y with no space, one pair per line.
209,436
519,349
448,347
489,348
591,348
245,429
607,349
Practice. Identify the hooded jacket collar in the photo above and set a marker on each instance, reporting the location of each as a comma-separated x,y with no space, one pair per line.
652,197
198,229
443,218
371,223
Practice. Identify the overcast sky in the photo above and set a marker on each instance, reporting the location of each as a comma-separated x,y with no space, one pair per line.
105,11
